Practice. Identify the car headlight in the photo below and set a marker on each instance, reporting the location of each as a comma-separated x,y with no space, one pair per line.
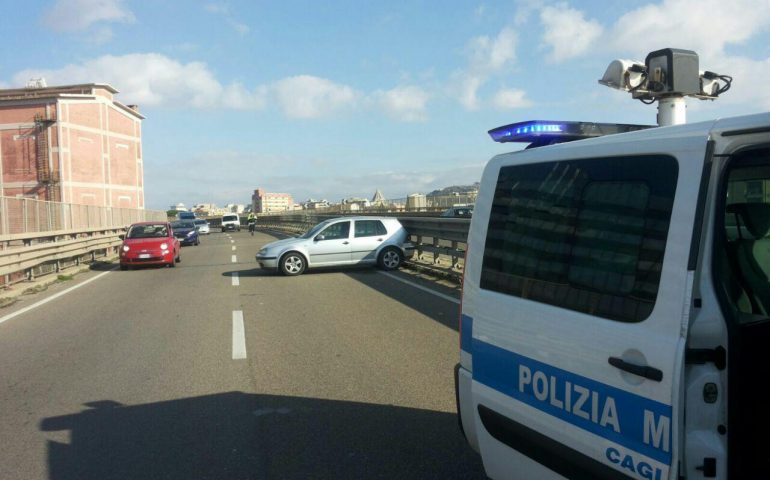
125,248
262,252
164,246
190,232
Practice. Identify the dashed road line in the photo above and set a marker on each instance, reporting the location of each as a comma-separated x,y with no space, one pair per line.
239,336
236,280
233,248
235,260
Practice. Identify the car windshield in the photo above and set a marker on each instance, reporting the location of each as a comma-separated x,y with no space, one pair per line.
230,218
200,222
313,231
182,225
148,231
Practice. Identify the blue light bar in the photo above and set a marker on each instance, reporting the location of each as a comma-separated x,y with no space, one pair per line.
510,133
543,132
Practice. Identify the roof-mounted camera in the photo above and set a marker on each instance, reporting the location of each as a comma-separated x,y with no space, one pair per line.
666,76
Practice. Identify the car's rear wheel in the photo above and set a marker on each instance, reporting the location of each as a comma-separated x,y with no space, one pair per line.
292,264
390,259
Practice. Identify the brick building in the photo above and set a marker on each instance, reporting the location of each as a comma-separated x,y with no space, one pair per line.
266,202
71,143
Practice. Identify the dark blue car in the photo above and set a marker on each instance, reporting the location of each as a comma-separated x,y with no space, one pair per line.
186,232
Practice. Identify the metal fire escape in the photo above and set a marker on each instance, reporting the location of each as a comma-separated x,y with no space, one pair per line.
47,173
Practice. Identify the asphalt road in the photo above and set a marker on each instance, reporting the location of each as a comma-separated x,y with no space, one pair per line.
145,374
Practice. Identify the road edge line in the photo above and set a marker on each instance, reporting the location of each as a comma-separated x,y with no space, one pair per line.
53,297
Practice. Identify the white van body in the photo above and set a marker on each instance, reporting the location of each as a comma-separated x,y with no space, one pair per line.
615,307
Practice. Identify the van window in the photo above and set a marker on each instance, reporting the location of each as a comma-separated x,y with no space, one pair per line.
586,235
745,267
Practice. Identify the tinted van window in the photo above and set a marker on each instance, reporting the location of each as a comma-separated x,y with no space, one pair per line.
587,235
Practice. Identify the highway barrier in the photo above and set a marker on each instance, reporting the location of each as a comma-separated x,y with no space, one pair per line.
39,237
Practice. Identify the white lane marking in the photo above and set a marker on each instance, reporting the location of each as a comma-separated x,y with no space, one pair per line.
234,259
420,287
236,280
239,336
52,297
232,241
233,248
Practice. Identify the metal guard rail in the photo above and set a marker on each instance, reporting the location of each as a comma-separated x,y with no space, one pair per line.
51,247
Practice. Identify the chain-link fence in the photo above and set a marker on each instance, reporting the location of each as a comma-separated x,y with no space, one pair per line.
27,215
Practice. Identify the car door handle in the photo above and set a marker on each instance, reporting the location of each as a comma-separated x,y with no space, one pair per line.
643,371
345,242
379,239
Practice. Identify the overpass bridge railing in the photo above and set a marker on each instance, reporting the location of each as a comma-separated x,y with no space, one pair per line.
39,237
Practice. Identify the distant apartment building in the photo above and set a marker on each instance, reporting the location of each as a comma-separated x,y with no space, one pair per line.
266,202
71,143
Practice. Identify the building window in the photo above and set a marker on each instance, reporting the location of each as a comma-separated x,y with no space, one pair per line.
586,235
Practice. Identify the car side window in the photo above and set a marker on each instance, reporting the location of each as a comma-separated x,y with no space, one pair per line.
586,235
369,228
337,231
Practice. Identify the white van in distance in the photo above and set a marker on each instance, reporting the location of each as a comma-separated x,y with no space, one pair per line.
614,319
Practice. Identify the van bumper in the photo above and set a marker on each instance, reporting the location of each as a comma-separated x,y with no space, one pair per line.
464,402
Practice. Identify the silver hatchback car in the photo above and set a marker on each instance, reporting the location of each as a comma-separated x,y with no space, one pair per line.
340,241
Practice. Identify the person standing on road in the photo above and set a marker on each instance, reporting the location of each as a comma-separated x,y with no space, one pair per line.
252,221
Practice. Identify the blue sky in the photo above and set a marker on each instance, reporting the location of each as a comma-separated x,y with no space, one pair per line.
335,99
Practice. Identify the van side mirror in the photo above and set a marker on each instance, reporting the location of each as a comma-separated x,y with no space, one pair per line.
319,238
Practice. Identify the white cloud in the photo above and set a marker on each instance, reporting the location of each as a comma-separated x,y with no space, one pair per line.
492,54
217,8
223,10
466,87
153,79
568,32
706,26
79,15
407,103
147,79
306,96
487,57
508,99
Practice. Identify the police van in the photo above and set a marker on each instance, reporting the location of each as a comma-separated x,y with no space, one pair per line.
614,317
615,303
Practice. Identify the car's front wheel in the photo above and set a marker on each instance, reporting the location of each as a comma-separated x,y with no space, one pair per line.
292,264
390,259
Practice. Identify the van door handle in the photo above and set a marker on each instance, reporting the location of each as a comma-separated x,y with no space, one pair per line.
345,242
643,371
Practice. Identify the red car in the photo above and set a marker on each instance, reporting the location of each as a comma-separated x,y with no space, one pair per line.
149,243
